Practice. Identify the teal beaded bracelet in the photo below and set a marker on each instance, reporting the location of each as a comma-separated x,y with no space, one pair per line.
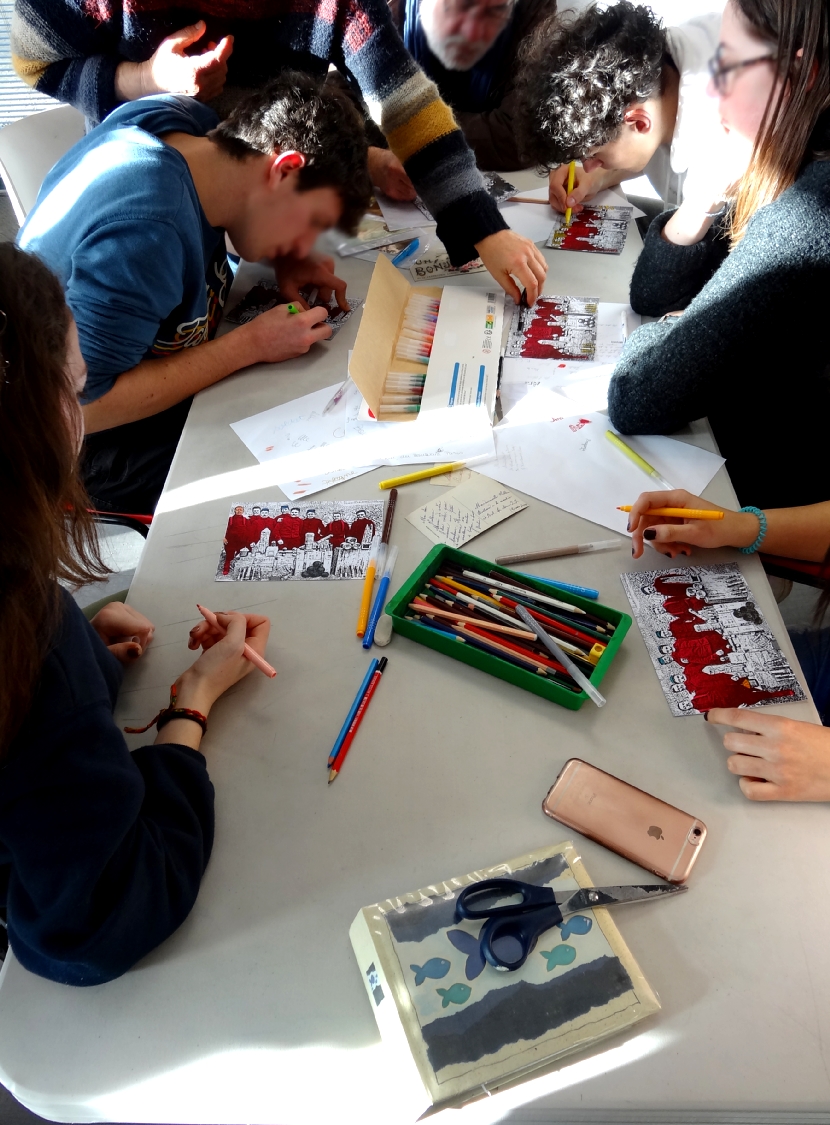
762,531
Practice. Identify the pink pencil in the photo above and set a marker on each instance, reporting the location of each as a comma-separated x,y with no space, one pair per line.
248,652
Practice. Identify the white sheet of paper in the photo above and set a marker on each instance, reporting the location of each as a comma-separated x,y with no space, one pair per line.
567,461
399,216
529,219
458,516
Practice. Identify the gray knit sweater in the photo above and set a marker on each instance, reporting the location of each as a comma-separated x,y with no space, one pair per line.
751,351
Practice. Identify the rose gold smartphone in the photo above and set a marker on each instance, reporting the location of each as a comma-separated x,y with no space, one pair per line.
638,826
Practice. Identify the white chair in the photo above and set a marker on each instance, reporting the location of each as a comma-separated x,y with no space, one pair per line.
30,147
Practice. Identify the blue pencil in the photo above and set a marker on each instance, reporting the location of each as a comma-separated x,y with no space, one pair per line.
352,712
583,591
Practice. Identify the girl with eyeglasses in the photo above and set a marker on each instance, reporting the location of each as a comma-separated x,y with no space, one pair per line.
739,273
101,850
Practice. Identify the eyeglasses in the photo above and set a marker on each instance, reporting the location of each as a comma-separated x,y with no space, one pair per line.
719,72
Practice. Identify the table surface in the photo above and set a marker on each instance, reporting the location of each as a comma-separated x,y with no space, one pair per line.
255,1011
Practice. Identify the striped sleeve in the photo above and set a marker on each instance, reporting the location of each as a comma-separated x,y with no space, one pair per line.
63,52
420,128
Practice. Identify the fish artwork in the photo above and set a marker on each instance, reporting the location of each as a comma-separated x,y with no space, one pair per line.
435,967
466,943
559,955
456,994
579,924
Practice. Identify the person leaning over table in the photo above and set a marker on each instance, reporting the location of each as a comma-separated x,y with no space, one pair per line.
97,54
470,49
101,850
777,759
613,88
133,221
743,291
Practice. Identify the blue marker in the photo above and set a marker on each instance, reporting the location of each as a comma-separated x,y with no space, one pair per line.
352,712
380,597
583,591
407,252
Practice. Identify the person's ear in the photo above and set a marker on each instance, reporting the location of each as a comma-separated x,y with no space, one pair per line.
638,118
283,163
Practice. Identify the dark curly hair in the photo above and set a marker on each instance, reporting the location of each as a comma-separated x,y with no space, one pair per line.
578,77
296,111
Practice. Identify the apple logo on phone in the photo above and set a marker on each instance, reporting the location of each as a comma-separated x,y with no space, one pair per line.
656,832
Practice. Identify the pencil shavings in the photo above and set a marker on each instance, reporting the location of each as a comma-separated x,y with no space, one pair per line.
708,640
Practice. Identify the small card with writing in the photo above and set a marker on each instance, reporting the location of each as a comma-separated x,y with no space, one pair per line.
458,516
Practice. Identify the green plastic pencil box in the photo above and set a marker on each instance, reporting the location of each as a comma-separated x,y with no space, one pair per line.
397,608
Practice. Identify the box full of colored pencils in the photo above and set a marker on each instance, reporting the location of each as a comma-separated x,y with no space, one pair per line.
426,348
465,607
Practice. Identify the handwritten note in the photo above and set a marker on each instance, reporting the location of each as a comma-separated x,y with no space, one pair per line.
465,512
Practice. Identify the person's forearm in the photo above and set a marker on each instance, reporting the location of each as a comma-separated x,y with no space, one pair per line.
798,533
157,384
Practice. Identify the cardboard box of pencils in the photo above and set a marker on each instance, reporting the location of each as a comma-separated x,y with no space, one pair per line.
542,680
424,348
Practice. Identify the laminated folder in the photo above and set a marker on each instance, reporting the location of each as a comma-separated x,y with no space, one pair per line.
461,1029
464,364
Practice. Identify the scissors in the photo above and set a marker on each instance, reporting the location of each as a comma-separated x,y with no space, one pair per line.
510,932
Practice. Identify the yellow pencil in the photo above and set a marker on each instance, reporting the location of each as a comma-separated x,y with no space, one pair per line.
679,513
571,178
435,471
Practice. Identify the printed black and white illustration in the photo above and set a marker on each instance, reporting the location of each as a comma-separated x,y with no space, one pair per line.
708,640
595,230
496,186
554,328
266,295
274,541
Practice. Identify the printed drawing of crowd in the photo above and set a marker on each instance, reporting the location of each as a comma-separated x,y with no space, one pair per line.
285,543
727,656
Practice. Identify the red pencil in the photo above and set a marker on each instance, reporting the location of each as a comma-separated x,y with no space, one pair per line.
337,764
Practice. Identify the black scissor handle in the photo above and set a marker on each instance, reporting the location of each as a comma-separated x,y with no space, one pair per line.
472,902
506,943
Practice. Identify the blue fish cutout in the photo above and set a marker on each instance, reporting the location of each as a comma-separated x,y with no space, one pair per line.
576,925
470,945
457,994
435,967
559,955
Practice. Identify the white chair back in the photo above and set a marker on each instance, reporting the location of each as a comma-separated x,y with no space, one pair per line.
30,147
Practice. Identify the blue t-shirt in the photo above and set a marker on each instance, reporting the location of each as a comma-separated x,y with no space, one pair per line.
119,221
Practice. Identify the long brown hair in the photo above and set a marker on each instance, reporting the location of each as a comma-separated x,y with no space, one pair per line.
46,532
784,140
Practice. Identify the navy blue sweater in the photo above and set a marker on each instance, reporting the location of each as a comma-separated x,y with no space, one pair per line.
750,350
101,850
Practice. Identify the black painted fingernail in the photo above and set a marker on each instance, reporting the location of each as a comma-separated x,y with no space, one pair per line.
628,526
632,550
649,533
706,716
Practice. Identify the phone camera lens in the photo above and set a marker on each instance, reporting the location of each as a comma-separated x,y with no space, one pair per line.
696,832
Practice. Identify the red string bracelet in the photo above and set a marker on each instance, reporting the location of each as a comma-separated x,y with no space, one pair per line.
167,714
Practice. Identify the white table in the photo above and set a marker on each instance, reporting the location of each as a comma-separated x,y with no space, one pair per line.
254,1011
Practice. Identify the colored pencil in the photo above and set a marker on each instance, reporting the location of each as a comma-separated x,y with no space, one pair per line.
390,515
556,651
425,608
635,457
679,513
361,691
568,587
435,471
571,178
337,764
247,652
561,552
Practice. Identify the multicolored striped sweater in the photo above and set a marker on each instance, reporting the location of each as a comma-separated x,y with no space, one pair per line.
70,49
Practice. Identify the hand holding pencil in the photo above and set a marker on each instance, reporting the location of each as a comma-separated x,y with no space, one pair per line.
673,537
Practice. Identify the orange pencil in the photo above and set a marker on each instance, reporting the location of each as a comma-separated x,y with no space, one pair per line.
248,652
